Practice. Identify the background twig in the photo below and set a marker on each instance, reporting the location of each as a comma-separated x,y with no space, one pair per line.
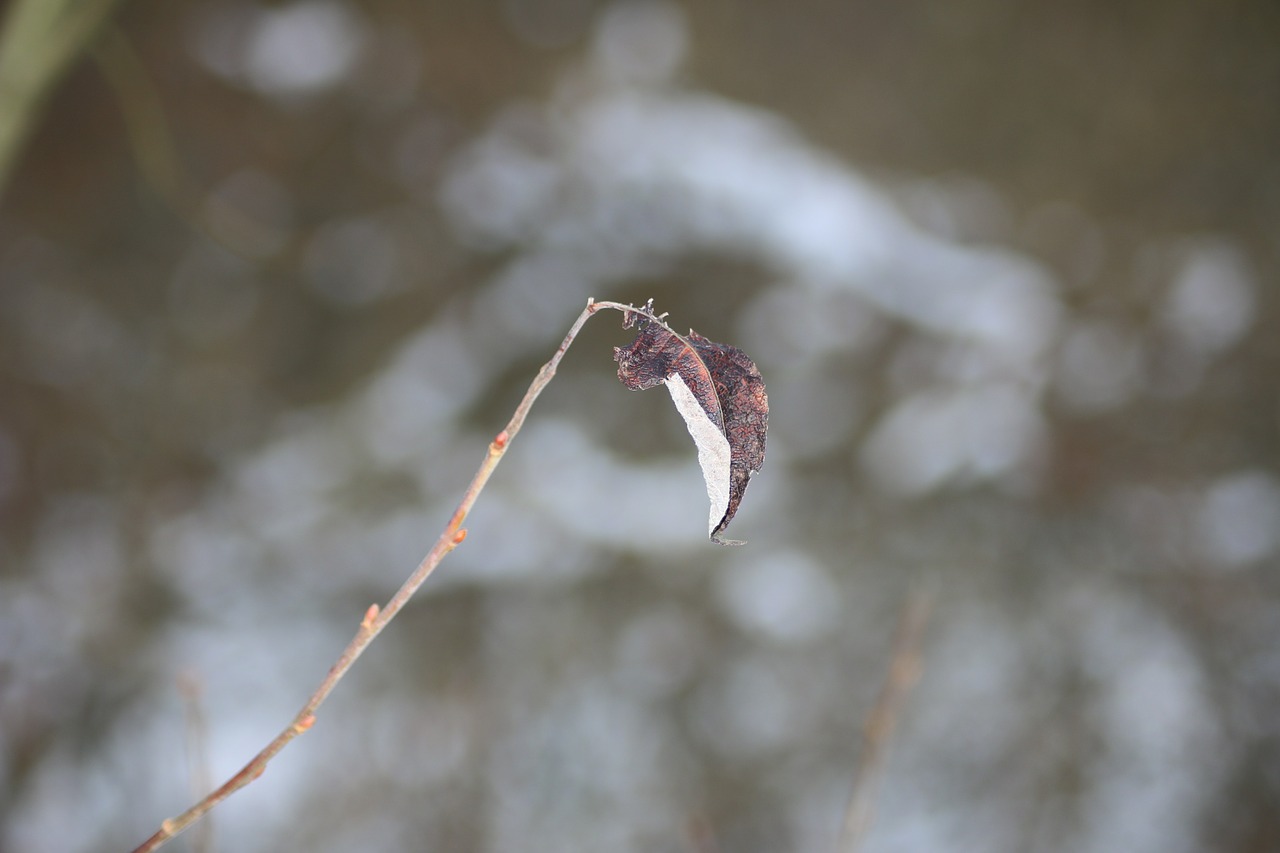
156,153
197,752
904,671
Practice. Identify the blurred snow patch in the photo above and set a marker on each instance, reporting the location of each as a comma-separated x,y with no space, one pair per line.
302,47
517,545
206,554
409,404
959,437
282,487
659,651
784,595
297,49
614,179
640,41
541,793
1161,749
748,710
1097,367
996,675
78,554
499,188
587,490
789,324
1210,304
811,415
1238,522
530,304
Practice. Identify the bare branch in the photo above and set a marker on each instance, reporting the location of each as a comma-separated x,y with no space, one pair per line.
376,618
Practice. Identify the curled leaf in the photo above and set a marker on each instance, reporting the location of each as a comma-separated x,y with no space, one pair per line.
718,391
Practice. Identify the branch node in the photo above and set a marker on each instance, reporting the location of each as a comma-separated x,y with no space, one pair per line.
370,615
304,724
459,536
168,826
500,442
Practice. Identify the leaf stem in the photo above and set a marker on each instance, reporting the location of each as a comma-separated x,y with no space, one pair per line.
376,618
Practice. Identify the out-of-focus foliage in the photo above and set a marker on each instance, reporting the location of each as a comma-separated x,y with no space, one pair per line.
271,275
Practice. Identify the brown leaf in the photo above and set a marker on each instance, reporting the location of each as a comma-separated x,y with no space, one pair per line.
718,391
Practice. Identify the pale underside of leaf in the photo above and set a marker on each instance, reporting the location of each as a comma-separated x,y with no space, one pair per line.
714,453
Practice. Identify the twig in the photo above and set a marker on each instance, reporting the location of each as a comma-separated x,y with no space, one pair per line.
156,154
144,119
376,618
197,753
904,671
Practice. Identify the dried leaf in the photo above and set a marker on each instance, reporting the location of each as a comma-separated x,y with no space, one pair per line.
718,391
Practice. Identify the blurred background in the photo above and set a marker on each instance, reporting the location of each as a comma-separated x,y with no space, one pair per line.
273,274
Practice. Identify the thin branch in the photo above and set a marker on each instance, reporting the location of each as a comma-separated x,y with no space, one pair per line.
376,618
904,671
197,753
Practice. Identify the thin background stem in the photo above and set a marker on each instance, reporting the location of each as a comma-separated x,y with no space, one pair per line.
197,753
155,151
375,618
904,671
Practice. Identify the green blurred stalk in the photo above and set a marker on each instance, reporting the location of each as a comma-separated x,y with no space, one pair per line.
40,41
